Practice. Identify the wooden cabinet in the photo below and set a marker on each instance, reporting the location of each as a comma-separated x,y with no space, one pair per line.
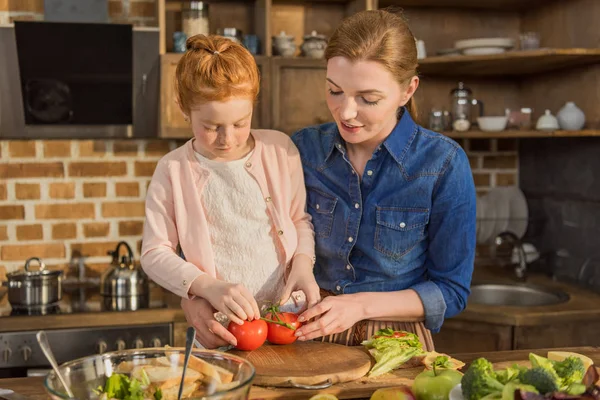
458,336
179,333
293,94
298,94
172,122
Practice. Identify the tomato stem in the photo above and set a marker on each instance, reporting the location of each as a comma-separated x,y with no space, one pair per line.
279,323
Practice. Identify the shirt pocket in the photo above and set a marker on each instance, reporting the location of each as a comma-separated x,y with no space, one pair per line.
399,230
321,207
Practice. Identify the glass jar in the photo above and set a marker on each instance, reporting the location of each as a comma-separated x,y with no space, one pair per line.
195,18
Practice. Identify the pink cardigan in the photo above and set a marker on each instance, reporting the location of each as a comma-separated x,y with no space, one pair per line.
174,212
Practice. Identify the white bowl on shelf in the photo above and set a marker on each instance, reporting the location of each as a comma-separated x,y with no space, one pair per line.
492,124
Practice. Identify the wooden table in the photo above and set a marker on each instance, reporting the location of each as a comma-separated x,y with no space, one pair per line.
33,387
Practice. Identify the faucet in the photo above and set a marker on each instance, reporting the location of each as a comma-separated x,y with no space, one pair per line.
521,268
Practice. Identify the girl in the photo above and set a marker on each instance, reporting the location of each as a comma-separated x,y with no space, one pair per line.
231,198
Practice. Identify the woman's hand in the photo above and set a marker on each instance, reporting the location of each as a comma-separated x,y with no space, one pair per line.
210,333
333,314
232,299
302,278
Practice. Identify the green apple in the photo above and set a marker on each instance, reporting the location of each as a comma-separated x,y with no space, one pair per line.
393,393
435,384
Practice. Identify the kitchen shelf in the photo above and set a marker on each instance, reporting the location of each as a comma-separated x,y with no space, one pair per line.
505,5
511,63
521,134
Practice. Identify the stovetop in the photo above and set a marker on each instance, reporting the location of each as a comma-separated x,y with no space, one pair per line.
84,300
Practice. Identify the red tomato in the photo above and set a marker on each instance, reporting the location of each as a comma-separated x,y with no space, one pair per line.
251,335
280,334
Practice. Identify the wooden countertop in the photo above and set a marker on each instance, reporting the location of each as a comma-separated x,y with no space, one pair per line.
34,388
581,306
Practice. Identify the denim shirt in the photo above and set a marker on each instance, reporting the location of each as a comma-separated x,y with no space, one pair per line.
408,223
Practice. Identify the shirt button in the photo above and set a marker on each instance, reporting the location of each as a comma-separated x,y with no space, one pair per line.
348,267
338,288
248,164
402,225
280,232
184,283
356,205
268,199
369,172
339,146
353,173
351,239
317,206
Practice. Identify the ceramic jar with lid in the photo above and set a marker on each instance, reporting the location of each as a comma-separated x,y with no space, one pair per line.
283,45
314,45
547,122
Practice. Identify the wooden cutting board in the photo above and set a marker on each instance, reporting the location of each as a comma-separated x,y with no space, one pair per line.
306,363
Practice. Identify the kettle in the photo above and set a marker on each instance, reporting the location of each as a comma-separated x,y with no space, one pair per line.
123,278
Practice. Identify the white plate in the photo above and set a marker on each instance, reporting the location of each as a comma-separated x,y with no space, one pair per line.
483,51
519,212
505,42
456,393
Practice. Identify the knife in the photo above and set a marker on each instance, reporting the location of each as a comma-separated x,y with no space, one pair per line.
10,395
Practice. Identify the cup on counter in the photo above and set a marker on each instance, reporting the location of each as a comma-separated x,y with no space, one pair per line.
529,40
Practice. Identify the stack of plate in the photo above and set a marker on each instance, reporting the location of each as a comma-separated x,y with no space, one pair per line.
483,46
501,209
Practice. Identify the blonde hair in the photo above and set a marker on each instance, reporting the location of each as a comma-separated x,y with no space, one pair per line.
215,68
382,36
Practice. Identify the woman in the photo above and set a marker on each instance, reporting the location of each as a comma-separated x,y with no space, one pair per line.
392,204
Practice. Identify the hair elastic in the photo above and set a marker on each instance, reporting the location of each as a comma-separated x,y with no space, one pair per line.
216,52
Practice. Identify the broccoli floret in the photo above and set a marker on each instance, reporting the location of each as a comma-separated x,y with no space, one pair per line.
571,370
480,380
541,378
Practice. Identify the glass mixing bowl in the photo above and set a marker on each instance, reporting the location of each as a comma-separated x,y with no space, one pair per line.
210,374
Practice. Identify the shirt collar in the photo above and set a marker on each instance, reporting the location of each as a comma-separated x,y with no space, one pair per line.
396,142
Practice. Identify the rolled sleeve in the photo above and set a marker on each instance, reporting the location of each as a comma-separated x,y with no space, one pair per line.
452,240
433,304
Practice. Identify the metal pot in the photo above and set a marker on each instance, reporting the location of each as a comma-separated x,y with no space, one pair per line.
33,288
124,278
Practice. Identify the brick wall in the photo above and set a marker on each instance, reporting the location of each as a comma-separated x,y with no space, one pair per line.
60,197
494,162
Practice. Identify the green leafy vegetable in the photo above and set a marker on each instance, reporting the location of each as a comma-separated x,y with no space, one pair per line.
391,349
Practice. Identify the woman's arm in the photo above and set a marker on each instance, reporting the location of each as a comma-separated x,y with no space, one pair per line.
160,239
451,251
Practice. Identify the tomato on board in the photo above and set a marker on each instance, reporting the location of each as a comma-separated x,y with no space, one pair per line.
278,332
251,335
396,334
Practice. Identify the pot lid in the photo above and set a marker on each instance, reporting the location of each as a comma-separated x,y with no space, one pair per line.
28,273
314,35
283,35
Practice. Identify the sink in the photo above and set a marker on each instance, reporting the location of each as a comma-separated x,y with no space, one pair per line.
519,295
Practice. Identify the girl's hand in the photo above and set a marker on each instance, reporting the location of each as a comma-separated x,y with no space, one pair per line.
200,314
302,278
333,314
232,299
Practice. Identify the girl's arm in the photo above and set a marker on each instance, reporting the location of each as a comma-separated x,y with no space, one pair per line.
159,241
301,218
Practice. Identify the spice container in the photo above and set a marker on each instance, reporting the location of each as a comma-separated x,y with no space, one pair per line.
195,18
